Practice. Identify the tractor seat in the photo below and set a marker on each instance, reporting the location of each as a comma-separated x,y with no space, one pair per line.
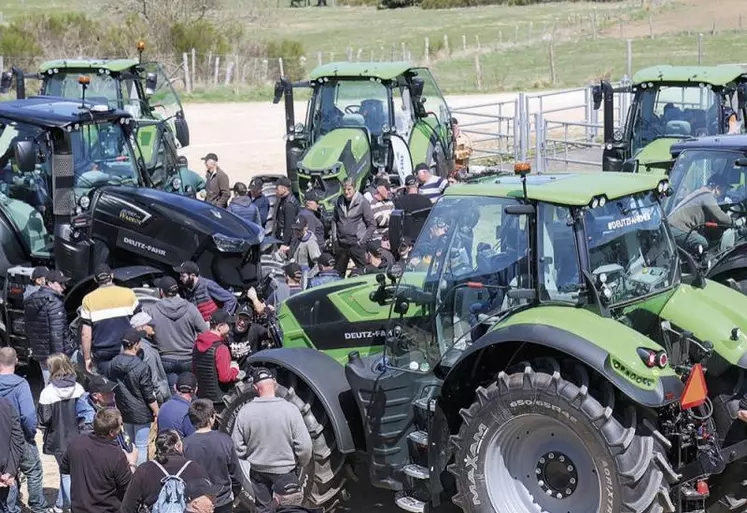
353,121
678,127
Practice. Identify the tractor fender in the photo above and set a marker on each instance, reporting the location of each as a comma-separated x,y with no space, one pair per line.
732,263
513,339
325,378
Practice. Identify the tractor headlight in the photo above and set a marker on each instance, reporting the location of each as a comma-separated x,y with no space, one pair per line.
84,202
385,128
176,183
230,244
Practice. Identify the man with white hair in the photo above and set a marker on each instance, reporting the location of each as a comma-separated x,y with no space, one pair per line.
142,322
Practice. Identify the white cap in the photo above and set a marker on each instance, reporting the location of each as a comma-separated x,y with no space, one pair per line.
140,319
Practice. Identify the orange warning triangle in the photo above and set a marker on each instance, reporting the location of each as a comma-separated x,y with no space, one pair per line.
696,391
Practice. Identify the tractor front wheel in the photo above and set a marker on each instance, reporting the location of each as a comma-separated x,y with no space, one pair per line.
536,442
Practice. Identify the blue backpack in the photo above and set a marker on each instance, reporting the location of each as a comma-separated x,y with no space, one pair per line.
171,498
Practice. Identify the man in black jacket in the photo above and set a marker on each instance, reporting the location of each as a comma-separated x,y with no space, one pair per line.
354,224
46,321
135,394
311,213
415,205
99,470
286,211
12,445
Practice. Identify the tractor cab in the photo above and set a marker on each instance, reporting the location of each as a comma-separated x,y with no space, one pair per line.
669,104
708,207
142,89
363,120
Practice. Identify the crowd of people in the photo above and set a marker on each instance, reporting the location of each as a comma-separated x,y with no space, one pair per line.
128,412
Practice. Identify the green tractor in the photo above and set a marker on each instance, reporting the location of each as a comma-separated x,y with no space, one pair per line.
363,119
141,88
670,103
544,352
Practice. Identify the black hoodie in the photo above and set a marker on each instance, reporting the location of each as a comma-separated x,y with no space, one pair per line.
135,390
12,442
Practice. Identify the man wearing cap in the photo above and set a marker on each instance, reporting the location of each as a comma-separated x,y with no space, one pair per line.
176,322
211,359
246,336
214,452
379,259
415,206
203,292
217,190
174,414
381,207
304,249
259,199
431,186
292,286
144,324
46,321
353,226
242,205
99,395
105,315
311,213
286,211
38,279
135,394
271,435
327,272
201,495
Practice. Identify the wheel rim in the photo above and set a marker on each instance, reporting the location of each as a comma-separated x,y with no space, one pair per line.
537,464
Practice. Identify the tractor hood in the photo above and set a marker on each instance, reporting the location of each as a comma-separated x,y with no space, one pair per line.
656,151
712,313
339,154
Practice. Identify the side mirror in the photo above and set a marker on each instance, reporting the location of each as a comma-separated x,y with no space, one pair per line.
741,162
395,272
24,154
596,96
182,131
151,82
6,80
396,228
630,166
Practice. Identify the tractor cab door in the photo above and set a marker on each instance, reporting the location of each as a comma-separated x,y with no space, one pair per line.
160,94
433,115
468,256
156,147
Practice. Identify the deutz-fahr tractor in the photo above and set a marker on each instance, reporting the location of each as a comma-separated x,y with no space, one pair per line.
73,194
141,88
363,119
670,103
710,174
543,352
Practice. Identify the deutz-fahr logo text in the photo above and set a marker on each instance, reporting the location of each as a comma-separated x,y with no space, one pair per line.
353,335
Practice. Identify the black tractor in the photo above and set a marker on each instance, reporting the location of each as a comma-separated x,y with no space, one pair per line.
74,194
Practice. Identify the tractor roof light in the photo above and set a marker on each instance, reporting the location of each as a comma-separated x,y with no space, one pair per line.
696,391
141,46
84,80
522,168
598,201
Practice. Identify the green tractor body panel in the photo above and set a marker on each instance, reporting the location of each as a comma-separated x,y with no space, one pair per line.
711,313
656,151
620,341
381,70
423,141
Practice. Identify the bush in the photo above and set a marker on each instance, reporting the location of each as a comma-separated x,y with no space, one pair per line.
358,3
450,4
395,4
201,35
17,43
292,54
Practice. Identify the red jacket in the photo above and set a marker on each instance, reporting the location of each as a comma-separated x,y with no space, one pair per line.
226,373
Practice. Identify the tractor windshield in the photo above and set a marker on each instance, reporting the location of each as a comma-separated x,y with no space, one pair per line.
103,88
630,250
351,104
468,255
25,198
102,156
674,111
710,193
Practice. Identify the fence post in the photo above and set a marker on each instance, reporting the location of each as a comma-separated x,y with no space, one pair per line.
531,29
478,72
187,84
594,25
538,141
350,54
700,48
551,52
194,66
464,43
319,58
521,120
630,58
404,51
280,63
477,42
650,27
358,55
446,45
209,67
740,23
229,72
427,51
217,70
265,69
2,64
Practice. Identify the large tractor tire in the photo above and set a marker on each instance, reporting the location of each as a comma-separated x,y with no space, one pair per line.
323,479
533,441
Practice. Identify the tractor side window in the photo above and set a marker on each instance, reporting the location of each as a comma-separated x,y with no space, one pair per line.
468,255
695,169
558,256
102,155
163,98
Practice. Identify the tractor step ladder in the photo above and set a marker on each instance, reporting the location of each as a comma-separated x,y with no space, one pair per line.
410,504
418,437
416,471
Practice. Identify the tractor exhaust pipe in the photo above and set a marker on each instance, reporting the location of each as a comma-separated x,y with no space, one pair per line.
6,82
604,93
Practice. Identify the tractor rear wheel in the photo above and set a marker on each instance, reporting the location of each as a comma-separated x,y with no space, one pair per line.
323,479
533,441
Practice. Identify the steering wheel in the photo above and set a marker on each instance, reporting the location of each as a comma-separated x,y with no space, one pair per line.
352,109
